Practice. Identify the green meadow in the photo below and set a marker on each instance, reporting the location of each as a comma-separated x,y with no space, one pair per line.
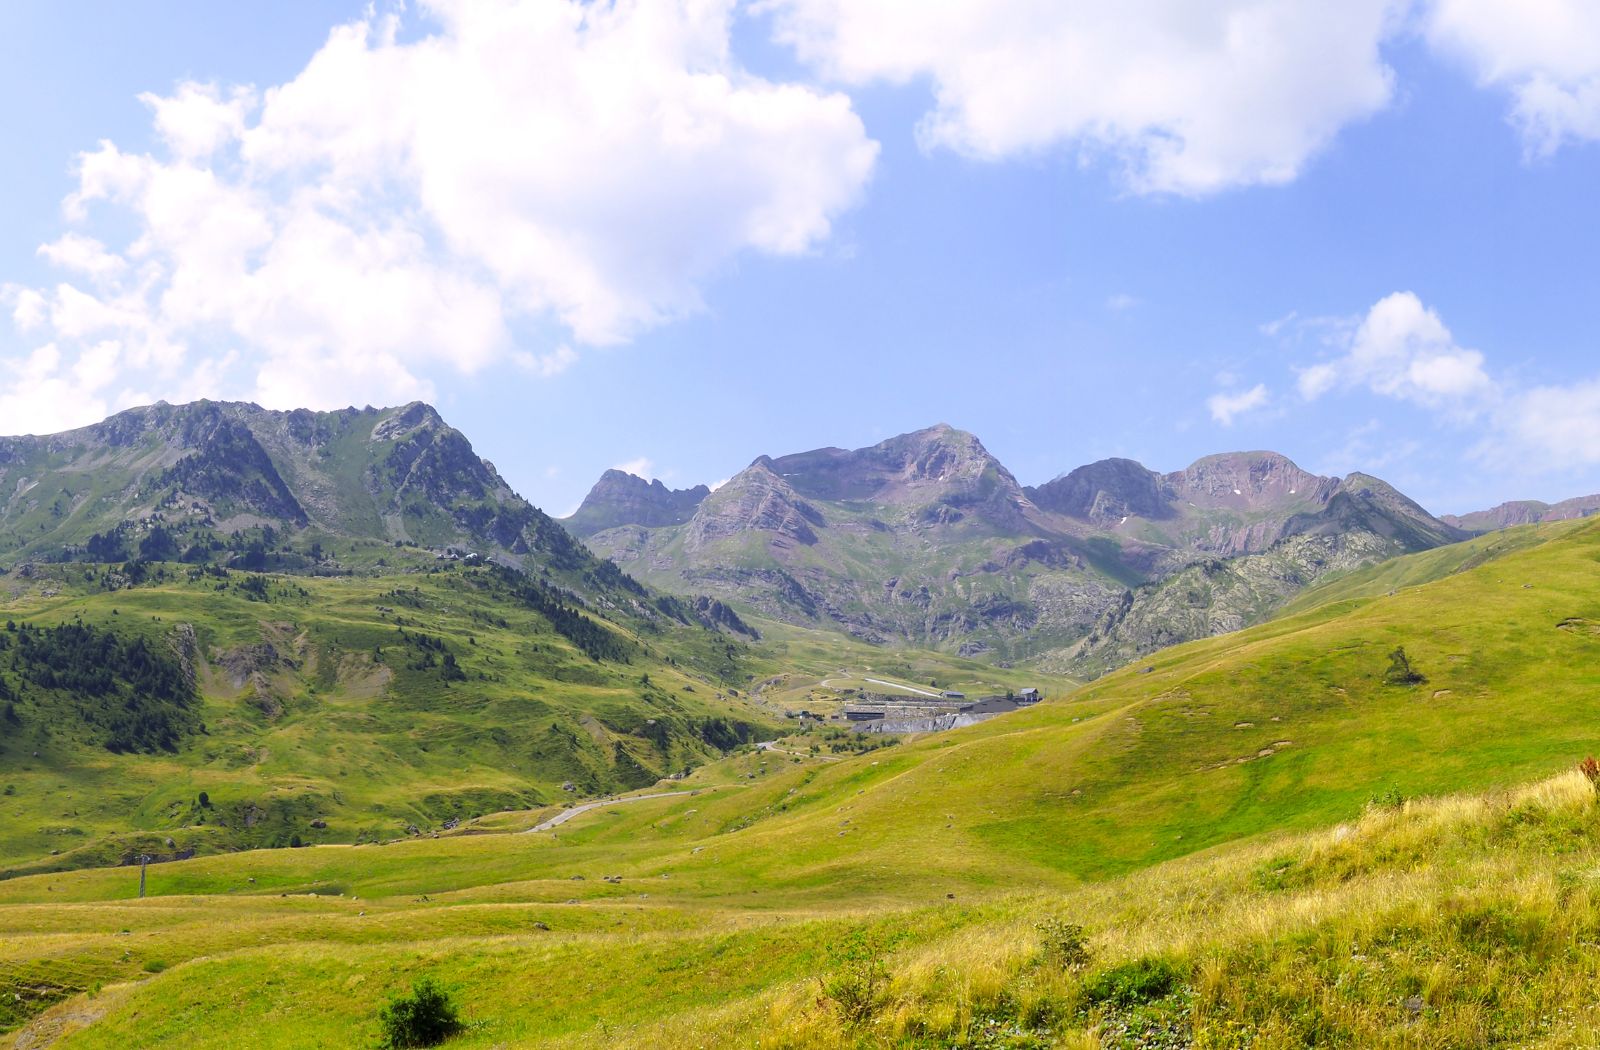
1264,840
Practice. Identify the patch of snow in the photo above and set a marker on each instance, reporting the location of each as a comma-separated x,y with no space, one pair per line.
1124,520
1236,492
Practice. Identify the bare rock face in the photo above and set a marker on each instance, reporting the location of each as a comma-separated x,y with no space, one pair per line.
1249,481
1106,492
620,498
756,500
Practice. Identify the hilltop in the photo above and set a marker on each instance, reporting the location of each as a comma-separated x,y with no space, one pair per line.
223,627
927,539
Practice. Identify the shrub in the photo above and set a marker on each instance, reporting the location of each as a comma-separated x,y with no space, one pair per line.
1400,671
1133,984
426,1017
860,977
1064,944
1591,769
1390,797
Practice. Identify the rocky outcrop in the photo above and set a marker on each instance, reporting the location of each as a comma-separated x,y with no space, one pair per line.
1215,596
620,498
756,501
1107,492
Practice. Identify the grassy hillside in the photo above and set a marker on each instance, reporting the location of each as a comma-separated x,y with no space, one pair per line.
335,709
1171,813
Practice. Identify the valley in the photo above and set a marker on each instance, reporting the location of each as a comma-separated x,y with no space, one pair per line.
1146,807
443,739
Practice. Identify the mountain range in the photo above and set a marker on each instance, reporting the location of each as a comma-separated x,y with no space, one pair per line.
1525,512
927,539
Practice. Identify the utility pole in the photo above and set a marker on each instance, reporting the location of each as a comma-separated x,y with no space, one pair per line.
144,859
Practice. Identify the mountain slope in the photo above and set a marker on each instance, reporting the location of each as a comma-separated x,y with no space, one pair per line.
926,538
193,475
344,618
1171,814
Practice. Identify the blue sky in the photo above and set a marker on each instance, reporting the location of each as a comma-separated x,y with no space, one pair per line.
679,235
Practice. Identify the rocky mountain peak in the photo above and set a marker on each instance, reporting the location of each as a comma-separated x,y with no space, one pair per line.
620,498
757,498
936,467
214,469
1249,481
1106,491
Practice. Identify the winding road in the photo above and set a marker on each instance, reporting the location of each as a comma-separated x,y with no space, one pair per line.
567,814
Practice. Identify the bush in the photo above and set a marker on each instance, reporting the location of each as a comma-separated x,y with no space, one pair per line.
1133,984
1400,671
426,1017
1390,797
1064,944
859,979
1588,767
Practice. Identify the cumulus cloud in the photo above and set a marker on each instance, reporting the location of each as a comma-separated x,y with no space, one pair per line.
398,209
1545,53
1403,350
1189,96
1225,407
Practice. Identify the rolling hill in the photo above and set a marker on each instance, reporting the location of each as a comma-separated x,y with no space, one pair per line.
1173,813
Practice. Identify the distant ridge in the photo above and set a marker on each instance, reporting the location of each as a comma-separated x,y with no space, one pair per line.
1525,512
927,538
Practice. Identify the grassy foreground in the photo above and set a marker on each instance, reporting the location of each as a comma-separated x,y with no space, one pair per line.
1171,811
1464,921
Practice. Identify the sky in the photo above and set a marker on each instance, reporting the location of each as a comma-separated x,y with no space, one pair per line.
673,235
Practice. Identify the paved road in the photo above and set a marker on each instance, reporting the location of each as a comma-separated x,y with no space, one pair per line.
902,685
567,814
775,749
827,683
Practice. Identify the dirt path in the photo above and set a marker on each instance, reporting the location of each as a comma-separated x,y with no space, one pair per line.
65,1019
567,814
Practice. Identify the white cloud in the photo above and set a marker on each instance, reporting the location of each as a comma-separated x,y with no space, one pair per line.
29,308
396,210
547,366
199,120
1120,302
1403,350
640,467
1225,407
84,255
1546,53
1190,96
715,485
1549,427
